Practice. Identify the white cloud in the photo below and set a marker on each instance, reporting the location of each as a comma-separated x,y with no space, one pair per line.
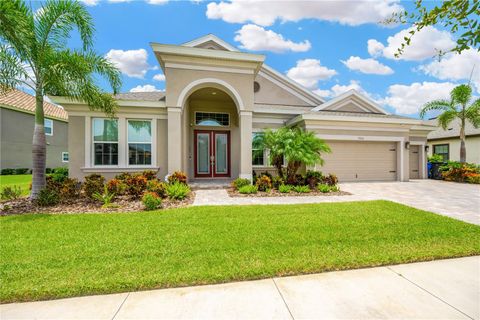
424,44
375,48
253,37
159,77
133,63
145,88
90,2
118,1
265,13
408,99
456,66
338,89
157,2
368,66
308,72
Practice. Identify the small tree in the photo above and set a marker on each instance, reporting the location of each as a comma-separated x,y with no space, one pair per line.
33,54
456,108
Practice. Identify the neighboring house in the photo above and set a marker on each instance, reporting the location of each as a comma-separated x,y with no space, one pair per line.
447,142
17,121
216,99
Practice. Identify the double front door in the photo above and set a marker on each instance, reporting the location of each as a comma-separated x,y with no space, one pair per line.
212,153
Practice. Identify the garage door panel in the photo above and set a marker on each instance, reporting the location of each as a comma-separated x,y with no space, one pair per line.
361,160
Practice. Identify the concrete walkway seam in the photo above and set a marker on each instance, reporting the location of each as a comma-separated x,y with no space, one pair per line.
121,305
283,299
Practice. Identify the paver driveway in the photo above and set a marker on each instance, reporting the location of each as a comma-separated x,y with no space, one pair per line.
457,200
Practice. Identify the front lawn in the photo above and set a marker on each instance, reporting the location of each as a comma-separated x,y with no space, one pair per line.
53,256
21,180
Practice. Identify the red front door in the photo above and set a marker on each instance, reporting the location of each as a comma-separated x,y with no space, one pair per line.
212,153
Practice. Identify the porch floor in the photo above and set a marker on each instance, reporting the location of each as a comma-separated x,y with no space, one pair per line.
200,184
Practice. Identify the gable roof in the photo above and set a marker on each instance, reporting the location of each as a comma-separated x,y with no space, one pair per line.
266,71
369,106
453,130
24,102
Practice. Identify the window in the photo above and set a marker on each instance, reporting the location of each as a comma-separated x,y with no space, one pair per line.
139,142
105,142
212,119
64,156
258,153
443,150
48,124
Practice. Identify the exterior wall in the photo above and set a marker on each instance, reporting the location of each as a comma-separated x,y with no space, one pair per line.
271,93
76,146
472,144
16,132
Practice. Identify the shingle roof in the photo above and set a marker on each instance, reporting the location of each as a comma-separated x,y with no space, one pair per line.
453,130
359,114
22,101
141,96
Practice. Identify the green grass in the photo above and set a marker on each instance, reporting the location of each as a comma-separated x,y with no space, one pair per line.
53,256
21,180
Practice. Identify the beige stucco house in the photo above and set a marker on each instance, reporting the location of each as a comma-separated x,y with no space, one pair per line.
216,99
447,142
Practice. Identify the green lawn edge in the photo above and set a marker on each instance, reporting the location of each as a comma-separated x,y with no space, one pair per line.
57,256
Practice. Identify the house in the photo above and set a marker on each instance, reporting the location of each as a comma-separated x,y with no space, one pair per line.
447,142
216,99
17,121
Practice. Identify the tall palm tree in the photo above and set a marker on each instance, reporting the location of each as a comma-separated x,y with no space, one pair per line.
33,54
456,108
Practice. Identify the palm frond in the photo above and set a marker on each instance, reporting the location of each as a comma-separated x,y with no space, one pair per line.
446,118
461,94
472,113
12,70
441,105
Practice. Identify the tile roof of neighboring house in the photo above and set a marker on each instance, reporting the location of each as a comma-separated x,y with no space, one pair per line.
19,100
142,96
453,130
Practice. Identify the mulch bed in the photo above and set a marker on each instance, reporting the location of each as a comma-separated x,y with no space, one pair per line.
84,205
275,193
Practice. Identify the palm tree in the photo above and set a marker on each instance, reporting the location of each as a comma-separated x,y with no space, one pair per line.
33,54
456,108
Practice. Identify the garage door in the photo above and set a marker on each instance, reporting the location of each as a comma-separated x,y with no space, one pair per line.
414,162
361,160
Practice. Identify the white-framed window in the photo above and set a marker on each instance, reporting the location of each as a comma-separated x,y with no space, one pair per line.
139,141
260,156
105,141
65,157
212,119
48,125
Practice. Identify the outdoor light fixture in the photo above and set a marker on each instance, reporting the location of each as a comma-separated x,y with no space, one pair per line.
407,145
426,148
214,93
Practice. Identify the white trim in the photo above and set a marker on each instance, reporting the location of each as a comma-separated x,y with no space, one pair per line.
422,158
117,169
347,94
51,127
356,128
210,37
286,88
323,117
205,81
340,105
208,68
122,103
101,114
63,156
293,83
358,138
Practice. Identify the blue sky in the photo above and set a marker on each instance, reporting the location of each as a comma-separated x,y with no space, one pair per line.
323,45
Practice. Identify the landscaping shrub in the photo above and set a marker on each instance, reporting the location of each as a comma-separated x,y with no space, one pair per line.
435,158
177,190
249,189
277,181
48,170
150,174
177,176
21,171
312,178
334,188
240,182
69,189
93,184
264,183
7,172
10,193
104,197
331,180
151,201
285,188
459,172
116,186
136,185
296,180
47,197
59,174
324,188
124,176
473,178
52,184
301,189
160,188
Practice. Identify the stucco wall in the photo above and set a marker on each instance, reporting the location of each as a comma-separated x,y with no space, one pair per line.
472,144
16,131
271,93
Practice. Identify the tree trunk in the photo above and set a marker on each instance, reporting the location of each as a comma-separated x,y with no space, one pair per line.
292,169
278,163
39,148
463,150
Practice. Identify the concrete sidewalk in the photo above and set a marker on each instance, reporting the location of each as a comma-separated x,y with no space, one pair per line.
446,289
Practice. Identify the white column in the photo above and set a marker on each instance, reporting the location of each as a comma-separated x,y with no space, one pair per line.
174,139
246,144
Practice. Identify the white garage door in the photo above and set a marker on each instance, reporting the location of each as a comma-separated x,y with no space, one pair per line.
361,160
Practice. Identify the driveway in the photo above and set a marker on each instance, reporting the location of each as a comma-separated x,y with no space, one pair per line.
456,200
443,289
